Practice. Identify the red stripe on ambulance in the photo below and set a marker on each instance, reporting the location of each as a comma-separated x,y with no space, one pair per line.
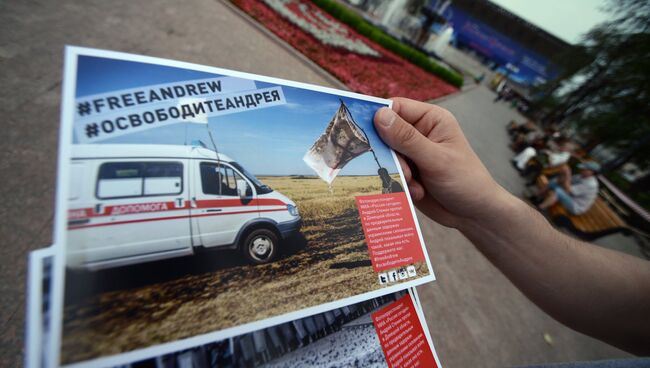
132,208
75,227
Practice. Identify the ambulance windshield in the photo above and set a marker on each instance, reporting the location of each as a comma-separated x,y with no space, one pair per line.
261,187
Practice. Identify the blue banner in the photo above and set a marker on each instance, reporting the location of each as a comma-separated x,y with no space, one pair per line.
522,64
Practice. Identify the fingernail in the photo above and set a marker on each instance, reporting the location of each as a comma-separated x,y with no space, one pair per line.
386,117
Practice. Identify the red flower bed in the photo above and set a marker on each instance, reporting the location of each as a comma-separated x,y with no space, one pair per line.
385,76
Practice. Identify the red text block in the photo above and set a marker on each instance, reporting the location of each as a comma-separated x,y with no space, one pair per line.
390,232
401,335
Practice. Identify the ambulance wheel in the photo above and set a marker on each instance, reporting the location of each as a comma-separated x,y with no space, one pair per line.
260,246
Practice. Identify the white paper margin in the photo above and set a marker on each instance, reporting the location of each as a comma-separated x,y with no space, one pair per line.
423,322
34,307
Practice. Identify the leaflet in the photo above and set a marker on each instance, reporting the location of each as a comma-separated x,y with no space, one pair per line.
197,204
38,308
387,331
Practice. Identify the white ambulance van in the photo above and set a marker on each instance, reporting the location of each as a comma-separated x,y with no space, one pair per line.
133,203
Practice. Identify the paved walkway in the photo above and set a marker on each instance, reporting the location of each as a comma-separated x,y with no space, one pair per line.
476,316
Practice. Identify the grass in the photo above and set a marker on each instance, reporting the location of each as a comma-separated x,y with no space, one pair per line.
356,22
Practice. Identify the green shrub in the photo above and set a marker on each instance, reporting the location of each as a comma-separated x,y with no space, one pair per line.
347,16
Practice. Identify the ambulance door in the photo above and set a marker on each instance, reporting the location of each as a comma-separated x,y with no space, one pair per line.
139,211
223,201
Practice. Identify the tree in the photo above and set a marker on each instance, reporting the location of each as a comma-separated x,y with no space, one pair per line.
612,105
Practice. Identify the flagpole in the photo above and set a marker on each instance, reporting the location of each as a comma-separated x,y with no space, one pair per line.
374,155
215,151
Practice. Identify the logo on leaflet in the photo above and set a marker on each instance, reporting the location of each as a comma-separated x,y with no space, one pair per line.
411,271
396,275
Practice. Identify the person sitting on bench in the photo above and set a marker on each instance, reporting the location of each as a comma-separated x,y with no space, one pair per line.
576,193
532,162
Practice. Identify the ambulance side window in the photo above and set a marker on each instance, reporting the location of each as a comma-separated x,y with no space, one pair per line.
136,179
163,178
120,179
219,179
229,182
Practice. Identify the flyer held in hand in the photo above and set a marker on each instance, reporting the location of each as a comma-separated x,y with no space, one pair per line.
207,217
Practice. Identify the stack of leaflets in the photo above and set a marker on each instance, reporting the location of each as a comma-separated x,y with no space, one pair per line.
212,218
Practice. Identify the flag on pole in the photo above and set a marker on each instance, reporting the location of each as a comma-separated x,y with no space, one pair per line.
342,141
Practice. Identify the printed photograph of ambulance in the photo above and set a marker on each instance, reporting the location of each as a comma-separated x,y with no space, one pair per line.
133,203
167,238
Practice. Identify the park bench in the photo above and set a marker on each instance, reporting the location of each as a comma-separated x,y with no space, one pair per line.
599,220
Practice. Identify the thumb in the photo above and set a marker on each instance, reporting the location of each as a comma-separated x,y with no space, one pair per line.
403,137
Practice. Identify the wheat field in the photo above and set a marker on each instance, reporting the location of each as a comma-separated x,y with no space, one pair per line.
158,302
316,200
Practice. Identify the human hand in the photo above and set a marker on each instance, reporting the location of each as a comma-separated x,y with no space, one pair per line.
447,180
574,282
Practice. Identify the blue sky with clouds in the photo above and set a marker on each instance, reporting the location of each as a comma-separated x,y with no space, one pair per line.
268,141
